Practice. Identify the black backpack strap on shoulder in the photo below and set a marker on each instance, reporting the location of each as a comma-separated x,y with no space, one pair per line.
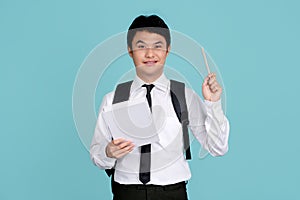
122,93
179,103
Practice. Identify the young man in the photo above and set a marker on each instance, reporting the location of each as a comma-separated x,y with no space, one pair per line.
165,178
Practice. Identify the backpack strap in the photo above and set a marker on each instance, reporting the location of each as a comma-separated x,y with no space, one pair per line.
122,93
179,103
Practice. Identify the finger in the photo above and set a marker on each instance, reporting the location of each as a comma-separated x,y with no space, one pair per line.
214,89
112,148
217,88
212,79
125,144
130,148
121,152
119,149
115,152
118,141
205,82
210,75
213,85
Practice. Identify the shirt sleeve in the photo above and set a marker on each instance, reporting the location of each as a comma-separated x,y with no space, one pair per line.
102,137
208,123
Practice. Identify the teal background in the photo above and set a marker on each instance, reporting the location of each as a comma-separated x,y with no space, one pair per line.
254,43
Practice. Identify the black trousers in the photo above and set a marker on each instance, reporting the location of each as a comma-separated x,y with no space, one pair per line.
149,192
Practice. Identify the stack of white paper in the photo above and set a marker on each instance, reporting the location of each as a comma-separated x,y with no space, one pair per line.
131,120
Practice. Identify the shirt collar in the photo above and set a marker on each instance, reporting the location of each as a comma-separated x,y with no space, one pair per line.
162,83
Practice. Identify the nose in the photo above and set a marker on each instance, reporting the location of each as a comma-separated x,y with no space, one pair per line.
149,53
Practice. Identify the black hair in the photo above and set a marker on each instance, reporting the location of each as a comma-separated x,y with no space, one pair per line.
152,24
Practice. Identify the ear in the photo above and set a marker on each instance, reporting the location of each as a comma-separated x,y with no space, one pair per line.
129,51
168,49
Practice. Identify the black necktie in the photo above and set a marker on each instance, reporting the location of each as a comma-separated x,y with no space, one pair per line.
145,161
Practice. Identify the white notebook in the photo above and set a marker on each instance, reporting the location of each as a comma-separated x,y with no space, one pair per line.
131,120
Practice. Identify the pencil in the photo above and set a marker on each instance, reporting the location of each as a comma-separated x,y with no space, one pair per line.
205,60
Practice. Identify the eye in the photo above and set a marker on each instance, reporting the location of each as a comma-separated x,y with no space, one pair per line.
158,46
141,46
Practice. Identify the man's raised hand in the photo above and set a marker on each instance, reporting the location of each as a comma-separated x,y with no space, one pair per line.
211,89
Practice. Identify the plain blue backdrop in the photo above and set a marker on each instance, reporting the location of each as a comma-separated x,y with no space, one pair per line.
254,43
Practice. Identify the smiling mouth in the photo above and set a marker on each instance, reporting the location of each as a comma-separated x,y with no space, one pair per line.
150,63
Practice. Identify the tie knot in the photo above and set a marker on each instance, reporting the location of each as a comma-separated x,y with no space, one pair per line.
148,87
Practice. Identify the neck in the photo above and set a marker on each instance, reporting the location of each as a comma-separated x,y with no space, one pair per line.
148,79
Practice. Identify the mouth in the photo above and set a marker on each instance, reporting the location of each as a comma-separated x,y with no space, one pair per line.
150,62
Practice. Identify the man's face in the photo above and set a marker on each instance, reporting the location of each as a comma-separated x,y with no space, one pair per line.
149,52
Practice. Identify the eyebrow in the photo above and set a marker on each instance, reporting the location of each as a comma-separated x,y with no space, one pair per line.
140,41
159,42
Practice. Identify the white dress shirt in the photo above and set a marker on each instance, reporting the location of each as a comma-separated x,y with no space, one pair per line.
168,165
